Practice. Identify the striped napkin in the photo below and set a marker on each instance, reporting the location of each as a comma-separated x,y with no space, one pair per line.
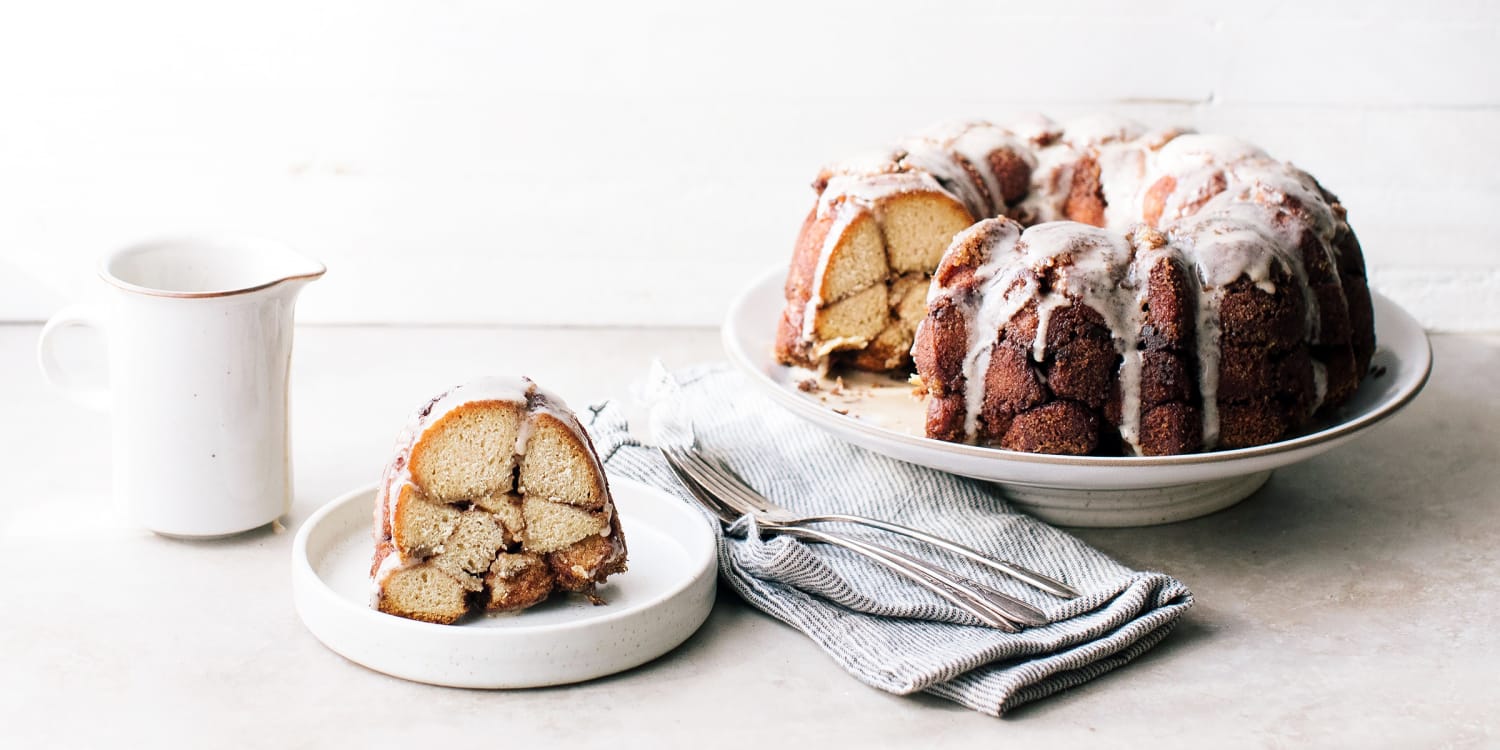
884,630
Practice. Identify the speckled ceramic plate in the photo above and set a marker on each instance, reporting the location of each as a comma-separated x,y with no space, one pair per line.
881,415
651,608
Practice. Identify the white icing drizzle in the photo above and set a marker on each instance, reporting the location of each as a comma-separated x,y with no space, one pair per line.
1122,174
841,221
1095,130
493,388
1100,266
1192,150
981,139
1149,253
1001,291
1086,265
872,161
392,562
846,196
1044,310
1208,335
1223,249
523,435
1117,144
1224,246
1050,182
1035,128
973,143
1320,384
940,162
543,401
868,190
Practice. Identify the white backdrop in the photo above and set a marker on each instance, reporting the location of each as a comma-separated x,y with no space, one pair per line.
474,162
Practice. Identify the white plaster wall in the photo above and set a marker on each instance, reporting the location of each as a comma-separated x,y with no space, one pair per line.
636,162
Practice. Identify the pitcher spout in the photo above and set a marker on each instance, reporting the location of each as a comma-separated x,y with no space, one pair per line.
304,269
300,271
289,269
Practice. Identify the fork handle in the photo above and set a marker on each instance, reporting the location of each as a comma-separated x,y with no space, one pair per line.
1014,609
1043,582
914,570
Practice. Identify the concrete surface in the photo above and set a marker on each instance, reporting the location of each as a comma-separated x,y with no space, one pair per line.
1351,602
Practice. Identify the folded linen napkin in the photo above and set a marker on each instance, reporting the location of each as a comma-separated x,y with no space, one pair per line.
884,630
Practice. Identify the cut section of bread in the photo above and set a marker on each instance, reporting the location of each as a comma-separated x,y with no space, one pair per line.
494,499
845,292
877,232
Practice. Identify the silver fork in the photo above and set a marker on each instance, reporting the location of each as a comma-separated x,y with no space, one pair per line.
722,481
949,587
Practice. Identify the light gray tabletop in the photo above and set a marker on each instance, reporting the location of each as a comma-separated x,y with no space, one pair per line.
1351,602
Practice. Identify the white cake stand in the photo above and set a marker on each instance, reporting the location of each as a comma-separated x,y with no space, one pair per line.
881,415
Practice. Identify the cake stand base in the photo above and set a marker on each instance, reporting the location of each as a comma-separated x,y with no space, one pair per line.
1139,507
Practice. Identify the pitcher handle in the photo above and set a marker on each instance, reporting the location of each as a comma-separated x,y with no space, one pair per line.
73,316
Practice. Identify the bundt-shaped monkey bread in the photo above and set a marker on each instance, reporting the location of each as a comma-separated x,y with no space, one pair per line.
1124,291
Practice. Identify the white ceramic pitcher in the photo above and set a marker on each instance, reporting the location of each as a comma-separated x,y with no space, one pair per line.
200,344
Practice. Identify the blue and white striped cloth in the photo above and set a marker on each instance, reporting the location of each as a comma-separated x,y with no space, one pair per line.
884,630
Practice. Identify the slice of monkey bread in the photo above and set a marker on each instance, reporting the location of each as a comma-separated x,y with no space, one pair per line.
494,500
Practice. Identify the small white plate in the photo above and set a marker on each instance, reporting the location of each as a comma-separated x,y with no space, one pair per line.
651,608
1071,490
